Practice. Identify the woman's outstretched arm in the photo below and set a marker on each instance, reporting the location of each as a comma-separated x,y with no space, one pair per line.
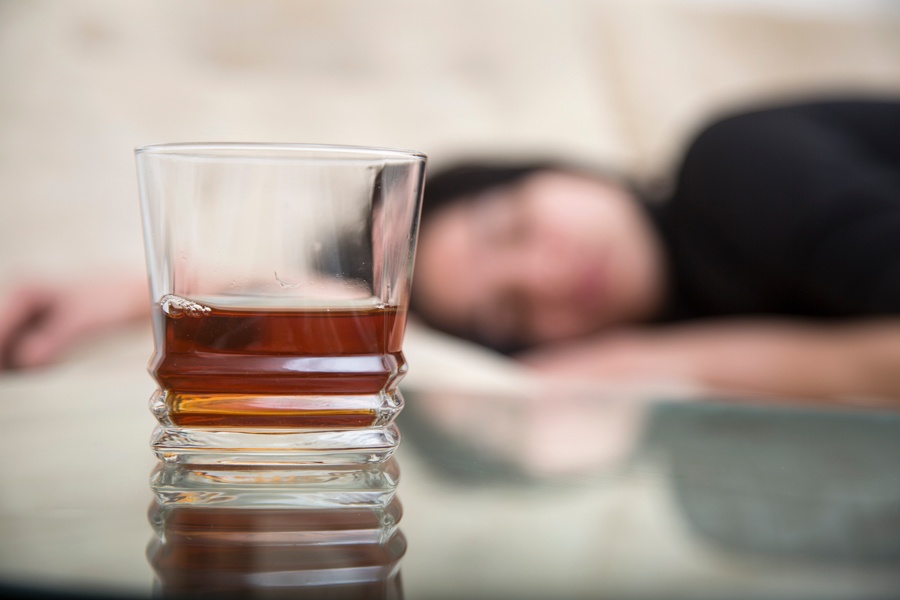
41,320
785,357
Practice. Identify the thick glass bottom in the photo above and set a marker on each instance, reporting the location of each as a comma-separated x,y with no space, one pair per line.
361,486
243,429
274,446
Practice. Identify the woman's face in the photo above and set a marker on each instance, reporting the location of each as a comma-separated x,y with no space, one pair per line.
555,256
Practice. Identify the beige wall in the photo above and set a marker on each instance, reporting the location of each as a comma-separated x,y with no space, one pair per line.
617,81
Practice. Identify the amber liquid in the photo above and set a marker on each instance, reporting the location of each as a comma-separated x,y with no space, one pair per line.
278,368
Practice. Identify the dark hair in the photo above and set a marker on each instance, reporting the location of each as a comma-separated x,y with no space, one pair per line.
459,184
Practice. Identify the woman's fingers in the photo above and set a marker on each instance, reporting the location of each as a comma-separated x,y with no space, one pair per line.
23,311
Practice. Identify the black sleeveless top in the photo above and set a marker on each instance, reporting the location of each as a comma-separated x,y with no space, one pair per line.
788,211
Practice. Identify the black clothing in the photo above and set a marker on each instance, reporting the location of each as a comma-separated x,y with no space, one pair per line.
788,211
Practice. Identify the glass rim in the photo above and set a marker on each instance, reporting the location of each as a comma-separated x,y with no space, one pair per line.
278,150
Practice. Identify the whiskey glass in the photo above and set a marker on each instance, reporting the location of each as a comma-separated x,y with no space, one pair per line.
279,282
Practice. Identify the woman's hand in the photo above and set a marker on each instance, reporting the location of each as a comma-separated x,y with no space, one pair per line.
41,320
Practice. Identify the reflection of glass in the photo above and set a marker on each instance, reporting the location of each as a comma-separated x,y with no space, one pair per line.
277,532
279,279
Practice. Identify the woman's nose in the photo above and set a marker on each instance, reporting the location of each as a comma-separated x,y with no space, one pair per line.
542,276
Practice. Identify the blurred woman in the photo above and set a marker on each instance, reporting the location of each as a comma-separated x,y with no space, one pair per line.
773,266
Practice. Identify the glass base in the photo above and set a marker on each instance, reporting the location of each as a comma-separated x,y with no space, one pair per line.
231,429
274,447
366,486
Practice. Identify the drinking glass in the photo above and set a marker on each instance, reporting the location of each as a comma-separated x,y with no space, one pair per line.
279,280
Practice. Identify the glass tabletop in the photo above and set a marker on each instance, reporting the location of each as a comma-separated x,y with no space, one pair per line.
579,493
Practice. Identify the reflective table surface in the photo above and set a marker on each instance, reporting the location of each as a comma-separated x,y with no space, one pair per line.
575,493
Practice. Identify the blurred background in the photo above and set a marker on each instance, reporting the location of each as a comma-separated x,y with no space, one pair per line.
611,82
